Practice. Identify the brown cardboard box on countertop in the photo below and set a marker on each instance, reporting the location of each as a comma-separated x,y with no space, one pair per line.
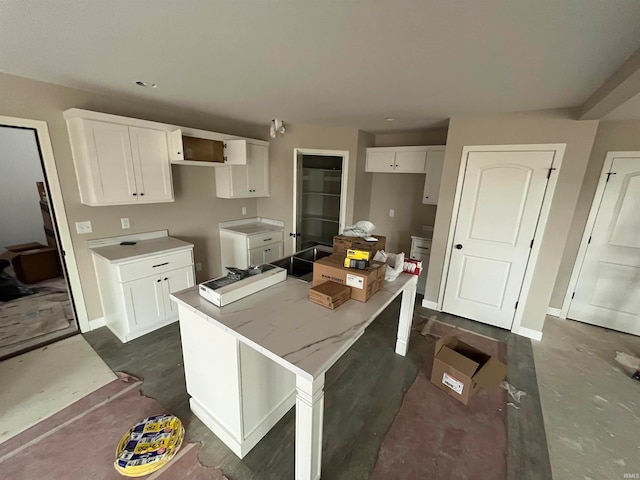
329,294
362,282
460,369
341,243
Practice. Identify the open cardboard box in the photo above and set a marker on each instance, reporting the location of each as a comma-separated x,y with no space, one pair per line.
460,369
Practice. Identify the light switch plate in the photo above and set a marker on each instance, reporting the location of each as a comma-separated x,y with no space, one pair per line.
125,223
198,267
244,210
83,227
392,212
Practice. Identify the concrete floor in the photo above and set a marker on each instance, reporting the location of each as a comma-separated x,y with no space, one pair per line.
363,392
591,407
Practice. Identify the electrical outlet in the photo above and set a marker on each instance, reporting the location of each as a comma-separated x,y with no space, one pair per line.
83,227
244,210
392,212
125,223
198,267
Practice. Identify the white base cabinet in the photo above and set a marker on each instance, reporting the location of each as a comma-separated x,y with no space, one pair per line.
241,250
236,391
135,293
421,250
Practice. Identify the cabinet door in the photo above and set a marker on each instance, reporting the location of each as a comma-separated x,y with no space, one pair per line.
236,152
151,164
175,281
240,181
110,164
435,161
144,302
273,252
257,256
258,170
410,162
380,162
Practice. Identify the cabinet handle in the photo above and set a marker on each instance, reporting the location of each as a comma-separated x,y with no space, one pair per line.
158,280
165,279
160,265
142,194
134,194
427,196
266,239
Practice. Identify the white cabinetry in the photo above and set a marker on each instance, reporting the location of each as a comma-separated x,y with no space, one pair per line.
245,181
135,291
435,161
118,164
397,159
241,250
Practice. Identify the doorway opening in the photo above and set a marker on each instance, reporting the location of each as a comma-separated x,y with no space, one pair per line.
36,306
319,197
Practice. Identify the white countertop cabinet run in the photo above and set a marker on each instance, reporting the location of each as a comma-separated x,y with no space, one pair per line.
135,290
245,181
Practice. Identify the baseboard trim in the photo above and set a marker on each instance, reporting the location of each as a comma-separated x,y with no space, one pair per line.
554,312
96,323
430,305
530,333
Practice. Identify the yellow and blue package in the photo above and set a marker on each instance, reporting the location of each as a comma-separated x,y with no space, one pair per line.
149,445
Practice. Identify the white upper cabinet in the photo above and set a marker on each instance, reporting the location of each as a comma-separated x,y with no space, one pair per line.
245,181
119,164
397,159
435,161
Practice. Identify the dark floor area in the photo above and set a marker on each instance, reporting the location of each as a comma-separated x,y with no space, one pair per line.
363,392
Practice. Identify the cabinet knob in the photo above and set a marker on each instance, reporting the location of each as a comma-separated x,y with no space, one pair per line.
165,278
158,280
134,194
427,196
142,194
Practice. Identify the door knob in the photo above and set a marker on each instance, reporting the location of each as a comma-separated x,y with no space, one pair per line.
459,246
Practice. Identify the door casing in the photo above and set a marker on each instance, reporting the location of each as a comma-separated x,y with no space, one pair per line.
559,149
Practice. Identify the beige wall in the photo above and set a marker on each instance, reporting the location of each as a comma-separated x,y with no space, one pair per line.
520,128
402,192
195,214
363,179
280,204
611,136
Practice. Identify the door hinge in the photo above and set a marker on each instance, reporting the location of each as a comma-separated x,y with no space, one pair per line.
516,307
589,241
609,175
531,244
573,294
549,172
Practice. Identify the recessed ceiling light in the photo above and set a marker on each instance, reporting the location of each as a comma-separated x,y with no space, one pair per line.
140,83
389,119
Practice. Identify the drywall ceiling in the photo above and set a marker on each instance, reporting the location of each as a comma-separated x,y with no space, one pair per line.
349,63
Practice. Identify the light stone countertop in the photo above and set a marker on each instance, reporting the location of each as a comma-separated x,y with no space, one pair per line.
284,325
252,226
143,248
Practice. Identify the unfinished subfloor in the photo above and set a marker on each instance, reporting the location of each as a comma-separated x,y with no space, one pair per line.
591,407
363,392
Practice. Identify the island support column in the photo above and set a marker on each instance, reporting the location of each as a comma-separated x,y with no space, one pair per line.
309,415
406,316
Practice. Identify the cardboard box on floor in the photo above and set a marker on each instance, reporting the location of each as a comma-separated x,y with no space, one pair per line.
364,283
33,262
460,369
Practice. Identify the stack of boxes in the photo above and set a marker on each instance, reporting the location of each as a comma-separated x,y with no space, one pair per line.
350,266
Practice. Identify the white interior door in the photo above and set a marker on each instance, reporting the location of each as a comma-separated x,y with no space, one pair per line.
608,288
502,195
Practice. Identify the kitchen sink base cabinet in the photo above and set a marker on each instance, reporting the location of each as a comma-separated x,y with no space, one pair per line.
236,391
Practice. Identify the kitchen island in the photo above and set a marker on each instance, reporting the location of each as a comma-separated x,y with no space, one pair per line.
246,364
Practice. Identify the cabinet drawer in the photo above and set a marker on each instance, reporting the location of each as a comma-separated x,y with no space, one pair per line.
416,255
420,243
155,265
265,239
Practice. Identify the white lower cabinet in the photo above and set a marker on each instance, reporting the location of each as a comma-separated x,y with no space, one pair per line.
236,391
421,250
135,294
241,250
